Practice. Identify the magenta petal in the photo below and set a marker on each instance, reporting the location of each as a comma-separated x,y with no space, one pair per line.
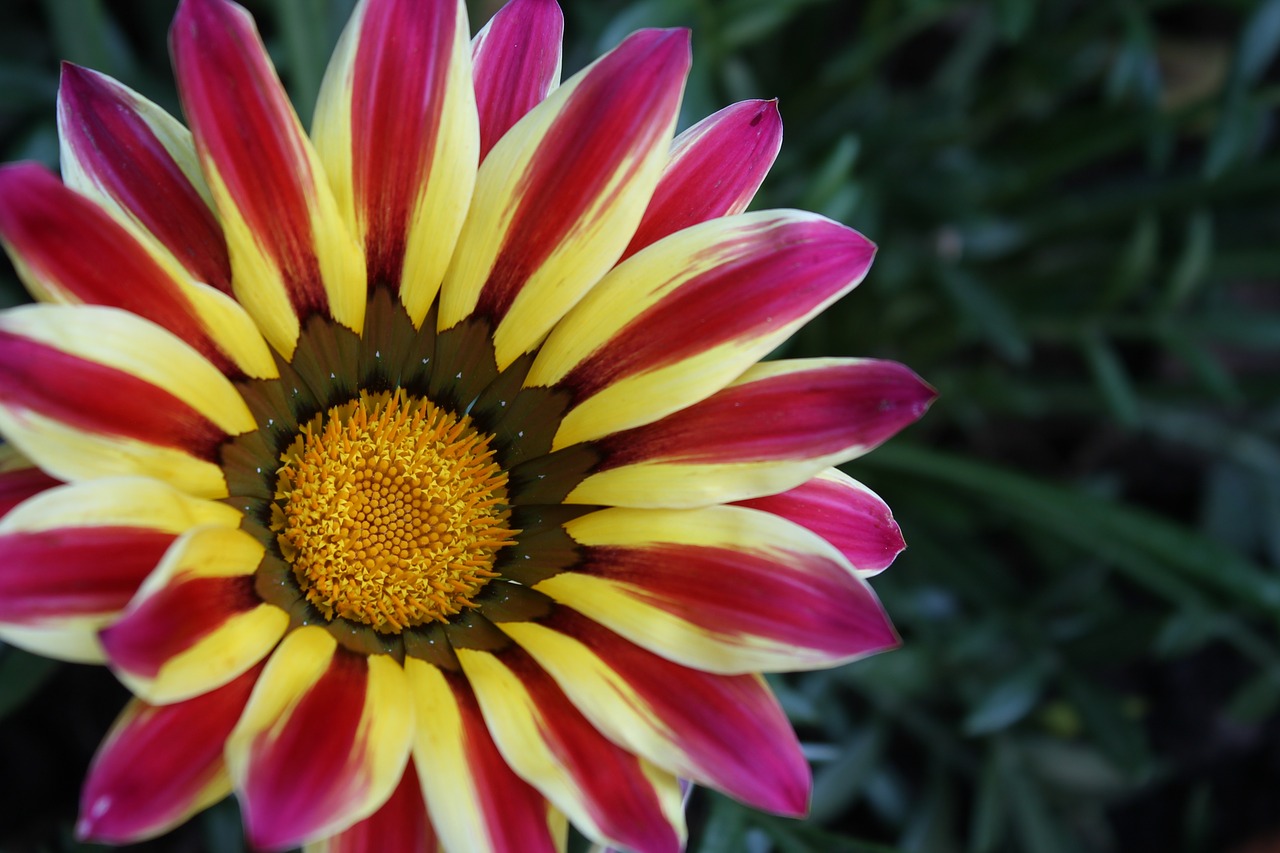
158,764
730,726
125,160
852,518
19,483
715,169
48,574
402,824
74,248
516,62
829,408
398,90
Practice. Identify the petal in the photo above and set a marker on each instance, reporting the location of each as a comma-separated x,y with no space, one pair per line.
396,130
684,318
70,250
723,731
139,162
559,196
197,622
516,63
724,589
609,794
476,802
90,391
20,479
291,255
400,825
72,557
775,427
714,170
159,765
323,742
845,513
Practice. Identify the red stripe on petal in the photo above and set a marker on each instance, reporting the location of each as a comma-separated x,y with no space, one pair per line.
150,772
802,599
22,483
100,399
794,415
119,149
730,726
782,273
243,123
515,813
857,522
620,798
398,89
716,167
619,108
400,825
75,246
174,619
516,61
71,571
301,774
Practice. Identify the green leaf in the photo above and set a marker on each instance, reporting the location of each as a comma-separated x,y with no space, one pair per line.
1008,701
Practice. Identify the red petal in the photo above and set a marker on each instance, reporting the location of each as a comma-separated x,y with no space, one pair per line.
401,824
155,765
131,165
789,415
101,399
516,63
715,169
51,573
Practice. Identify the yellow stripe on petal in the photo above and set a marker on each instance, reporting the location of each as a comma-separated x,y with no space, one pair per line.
119,501
323,742
73,640
70,453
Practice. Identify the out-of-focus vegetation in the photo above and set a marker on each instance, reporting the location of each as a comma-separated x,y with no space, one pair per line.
1078,211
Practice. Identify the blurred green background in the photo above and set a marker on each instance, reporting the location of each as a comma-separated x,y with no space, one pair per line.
1077,209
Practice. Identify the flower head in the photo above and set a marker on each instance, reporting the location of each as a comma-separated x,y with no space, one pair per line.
418,475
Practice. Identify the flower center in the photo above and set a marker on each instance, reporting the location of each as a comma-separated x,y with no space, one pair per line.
391,511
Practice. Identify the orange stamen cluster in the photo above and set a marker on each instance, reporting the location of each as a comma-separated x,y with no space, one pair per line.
391,511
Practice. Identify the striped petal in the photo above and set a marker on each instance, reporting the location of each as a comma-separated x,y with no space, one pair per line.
539,232
724,589
609,794
723,731
476,802
196,623
89,391
516,61
291,255
779,424
396,130
20,479
401,825
845,513
159,765
714,170
69,250
72,557
323,743
683,319
139,163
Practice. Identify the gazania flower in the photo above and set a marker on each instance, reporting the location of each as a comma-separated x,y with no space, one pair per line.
418,475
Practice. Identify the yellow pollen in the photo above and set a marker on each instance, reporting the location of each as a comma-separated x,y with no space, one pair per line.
391,511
